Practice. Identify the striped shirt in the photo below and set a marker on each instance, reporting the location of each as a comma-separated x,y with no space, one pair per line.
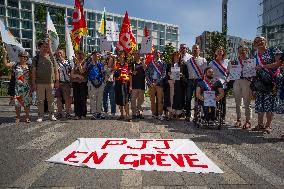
64,68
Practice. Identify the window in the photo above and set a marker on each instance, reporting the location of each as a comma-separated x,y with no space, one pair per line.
162,42
98,42
91,16
70,20
168,36
15,32
99,17
134,23
2,11
26,5
156,27
27,25
27,34
91,24
141,24
26,15
27,44
92,33
13,23
162,27
13,3
2,2
174,37
13,13
118,20
149,25
162,35
70,12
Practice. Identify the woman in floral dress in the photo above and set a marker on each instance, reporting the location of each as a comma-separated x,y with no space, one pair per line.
22,73
266,102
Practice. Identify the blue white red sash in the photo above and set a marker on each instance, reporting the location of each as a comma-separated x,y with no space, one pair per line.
196,68
258,59
220,67
208,85
157,67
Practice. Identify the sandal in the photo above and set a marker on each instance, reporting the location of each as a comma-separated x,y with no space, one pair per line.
267,130
28,120
247,125
238,124
17,121
258,128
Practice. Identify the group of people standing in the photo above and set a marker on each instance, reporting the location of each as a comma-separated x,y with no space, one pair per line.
123,83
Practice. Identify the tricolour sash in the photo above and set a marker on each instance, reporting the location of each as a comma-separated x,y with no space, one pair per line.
196,68
208,85
258,59
220,67
157,68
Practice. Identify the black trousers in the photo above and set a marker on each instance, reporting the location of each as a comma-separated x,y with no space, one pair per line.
80,92
224,109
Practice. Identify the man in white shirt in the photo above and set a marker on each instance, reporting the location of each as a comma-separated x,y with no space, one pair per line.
195,67
184,55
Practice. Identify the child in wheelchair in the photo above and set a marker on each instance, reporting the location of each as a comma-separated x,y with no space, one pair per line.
209,104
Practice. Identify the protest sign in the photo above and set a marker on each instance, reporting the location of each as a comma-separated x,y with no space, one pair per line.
175,73
235,72
209,98
139,154
146,45
249,68
105,45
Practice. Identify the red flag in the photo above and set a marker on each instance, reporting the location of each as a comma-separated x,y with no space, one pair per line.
127,41
149,56
79,24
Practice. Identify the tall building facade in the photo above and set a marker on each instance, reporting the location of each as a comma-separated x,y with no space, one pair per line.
233,43
26,20
271,22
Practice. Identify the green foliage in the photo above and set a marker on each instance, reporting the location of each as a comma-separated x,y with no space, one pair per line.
216,39
168,53
40,13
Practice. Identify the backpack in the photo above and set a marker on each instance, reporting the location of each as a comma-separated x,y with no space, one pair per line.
95,76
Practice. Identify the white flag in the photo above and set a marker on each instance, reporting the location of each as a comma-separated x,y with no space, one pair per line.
52,33
146,45
112,31
69,47
13,47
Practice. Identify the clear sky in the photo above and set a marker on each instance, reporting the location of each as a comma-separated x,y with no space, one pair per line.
192,16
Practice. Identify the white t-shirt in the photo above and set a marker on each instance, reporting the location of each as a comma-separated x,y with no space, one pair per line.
201,62
186,57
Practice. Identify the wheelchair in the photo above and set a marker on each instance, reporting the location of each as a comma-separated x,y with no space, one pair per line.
209,117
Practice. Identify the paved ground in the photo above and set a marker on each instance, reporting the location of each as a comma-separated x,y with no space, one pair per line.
248,159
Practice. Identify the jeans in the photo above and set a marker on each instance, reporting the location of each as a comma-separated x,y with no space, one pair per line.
191,86
109,94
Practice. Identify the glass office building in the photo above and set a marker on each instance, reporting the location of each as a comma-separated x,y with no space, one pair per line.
26,20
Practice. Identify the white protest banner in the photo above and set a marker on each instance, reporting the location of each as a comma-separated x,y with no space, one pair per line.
105,45
146,45
235,72
13,47
249,68
209,98
52,33
140,154
112,31
175,73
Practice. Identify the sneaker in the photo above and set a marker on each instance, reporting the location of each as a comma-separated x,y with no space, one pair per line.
100,116
140,116
113,114
153,117
68,116
160,117
94,116
39,119
59,116
134,117
53,118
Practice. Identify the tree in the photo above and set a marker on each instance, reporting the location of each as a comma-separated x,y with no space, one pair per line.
168,53
3,69
216,39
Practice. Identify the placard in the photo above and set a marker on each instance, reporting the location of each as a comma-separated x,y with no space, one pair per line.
146,45
235,72
175,73
209,98
105,45
249,68
140,154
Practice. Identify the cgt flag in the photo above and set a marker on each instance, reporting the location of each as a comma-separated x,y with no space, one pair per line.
79,24
127,41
